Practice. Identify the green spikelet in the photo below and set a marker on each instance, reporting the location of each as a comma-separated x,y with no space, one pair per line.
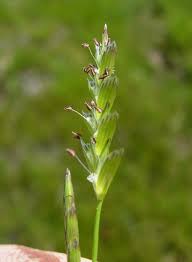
71,222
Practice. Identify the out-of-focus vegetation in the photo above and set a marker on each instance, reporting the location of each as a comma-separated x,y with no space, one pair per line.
147,213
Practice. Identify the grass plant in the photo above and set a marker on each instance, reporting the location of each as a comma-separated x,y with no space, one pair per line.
101,164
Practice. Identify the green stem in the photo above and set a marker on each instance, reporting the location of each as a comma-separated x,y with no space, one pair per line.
96,231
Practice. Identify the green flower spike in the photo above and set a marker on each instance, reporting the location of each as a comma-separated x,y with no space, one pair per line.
103,85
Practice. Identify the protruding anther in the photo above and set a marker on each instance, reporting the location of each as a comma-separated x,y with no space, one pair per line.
99,110
93,140
68,108
88,106
90,69
105,74
93,104
96,42
71,152
109,41
85,45
76,135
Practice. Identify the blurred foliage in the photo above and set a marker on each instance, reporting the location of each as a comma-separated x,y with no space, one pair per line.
147,213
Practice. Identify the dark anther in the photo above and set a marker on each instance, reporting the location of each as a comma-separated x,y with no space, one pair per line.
99,110
88,106
93,103
105,74
93,140
96,42
76,135
90,69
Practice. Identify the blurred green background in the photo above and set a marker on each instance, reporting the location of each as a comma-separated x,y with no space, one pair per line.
147,214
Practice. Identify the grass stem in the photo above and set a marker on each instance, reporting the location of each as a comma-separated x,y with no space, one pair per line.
96,231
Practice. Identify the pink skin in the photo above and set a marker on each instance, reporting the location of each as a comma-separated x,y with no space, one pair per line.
17,253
